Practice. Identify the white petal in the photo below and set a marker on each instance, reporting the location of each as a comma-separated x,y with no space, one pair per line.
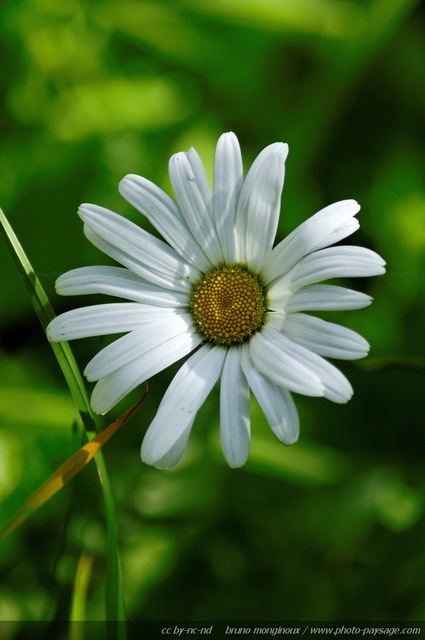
136,249
165,216
175,453
275,402
162,280
327,226
326,297
335,385
325,338
112,388
228,180
101,320
182,400
258,208
281,364
119,282
234,410
137,343
195,201
335,262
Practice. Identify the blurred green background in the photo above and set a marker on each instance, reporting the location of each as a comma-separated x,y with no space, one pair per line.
332,528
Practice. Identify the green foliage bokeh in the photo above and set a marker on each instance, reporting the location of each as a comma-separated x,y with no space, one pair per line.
332,528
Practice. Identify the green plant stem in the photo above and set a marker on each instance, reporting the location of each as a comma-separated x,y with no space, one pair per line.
114,602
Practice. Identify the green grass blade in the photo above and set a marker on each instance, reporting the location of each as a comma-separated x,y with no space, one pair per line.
67,471
45,314
79,596
114,603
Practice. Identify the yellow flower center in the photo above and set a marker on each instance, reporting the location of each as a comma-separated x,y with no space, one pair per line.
228,305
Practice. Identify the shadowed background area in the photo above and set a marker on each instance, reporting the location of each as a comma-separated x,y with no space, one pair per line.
329,529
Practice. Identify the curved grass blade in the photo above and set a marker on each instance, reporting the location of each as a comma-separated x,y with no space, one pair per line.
79,597
45,314
67,471
114,603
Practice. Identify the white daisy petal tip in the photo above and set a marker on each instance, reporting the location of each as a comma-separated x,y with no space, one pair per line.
280,148
290,440
378,267
228,136
235,463
146,455
86,210
128,178
51,333
284,150
162,459
177,159
168,461
98,405
127,185
350,204
59,288
345,398
288,437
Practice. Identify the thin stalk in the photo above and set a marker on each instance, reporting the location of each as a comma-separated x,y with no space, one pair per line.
114,602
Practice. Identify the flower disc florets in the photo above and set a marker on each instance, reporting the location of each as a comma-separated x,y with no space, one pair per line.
228,305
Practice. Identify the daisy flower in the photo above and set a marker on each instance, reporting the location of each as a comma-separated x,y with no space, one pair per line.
218,287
